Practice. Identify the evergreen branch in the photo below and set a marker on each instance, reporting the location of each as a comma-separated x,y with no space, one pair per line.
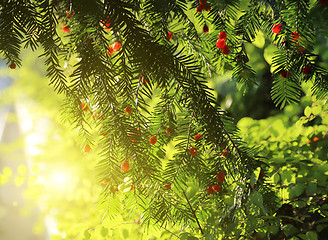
193,212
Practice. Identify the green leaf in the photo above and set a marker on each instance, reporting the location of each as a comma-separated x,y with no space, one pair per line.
307,111
311,188
311,235
104,232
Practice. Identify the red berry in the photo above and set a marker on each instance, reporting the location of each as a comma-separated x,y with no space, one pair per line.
199,9
167,187
105,181
110,51
225,153
205,28
106,23
168,131
68,14
132,187
276,28
128,110
87,148
209,189
223,35
226,50
12,65
98,116
192,151
216,187
295,36
197,137
220,176
153,140
306,70
143,80
84,107
285,74
116,46
168,35
65,28
315,139
220,43
125,166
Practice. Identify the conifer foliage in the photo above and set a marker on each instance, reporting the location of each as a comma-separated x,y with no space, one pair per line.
125,51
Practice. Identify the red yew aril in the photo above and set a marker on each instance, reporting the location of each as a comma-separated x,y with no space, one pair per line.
84,107
209,189
220,43
223,35
87,148
68,14
128,109
220,177
12,65
168,35
105,181
106,23
216,187
193,151
153,140
226,50
315,139
225,153
205,28
117,46
125,166
306,70
167,187
284,74
143,80
110,51
168,131
65,28
276,28
197,137
295,36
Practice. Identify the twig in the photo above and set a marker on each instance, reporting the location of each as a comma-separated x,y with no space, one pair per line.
193,212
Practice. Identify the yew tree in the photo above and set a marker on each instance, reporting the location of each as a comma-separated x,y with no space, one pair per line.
108,58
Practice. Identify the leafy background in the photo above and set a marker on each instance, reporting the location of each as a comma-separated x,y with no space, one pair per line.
62,181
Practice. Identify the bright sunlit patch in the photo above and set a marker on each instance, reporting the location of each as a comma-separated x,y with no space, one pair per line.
56,180
60,178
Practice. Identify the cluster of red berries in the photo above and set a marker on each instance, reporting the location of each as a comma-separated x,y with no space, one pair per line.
111,49
306,71
203,5
221,177
221,43
193,150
